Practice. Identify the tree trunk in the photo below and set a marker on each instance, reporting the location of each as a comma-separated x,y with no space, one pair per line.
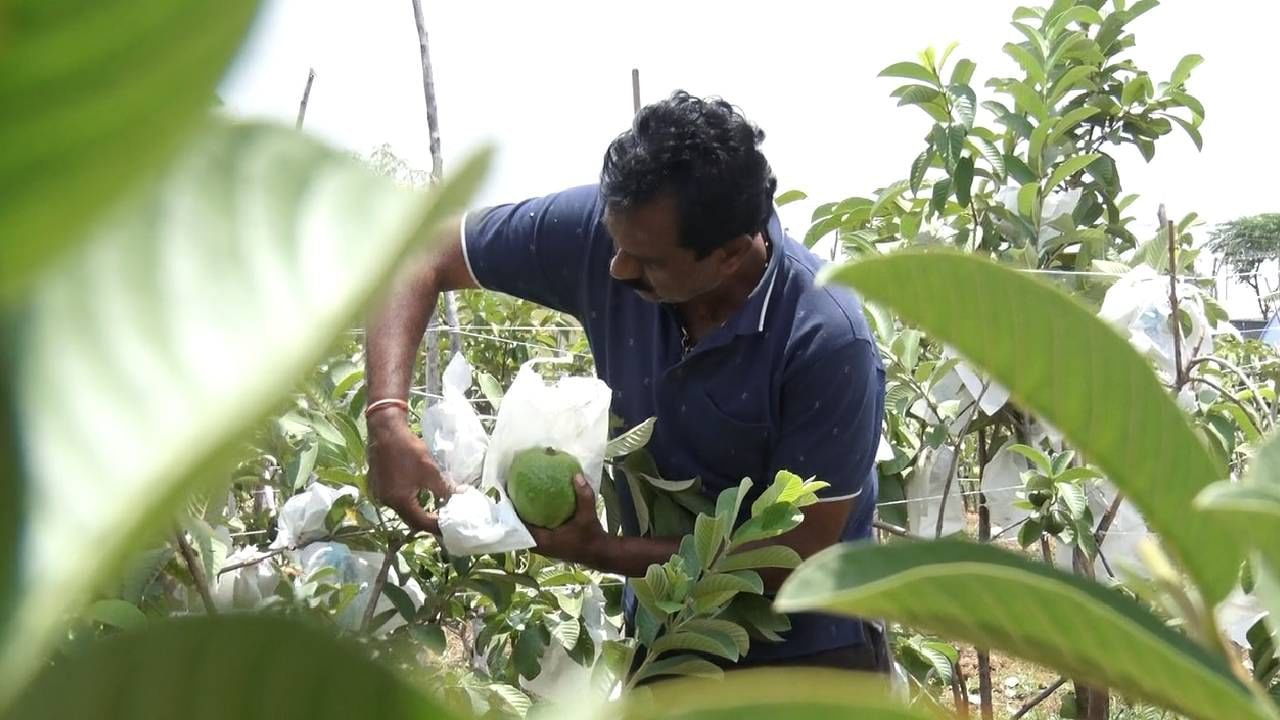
1093,703
984,655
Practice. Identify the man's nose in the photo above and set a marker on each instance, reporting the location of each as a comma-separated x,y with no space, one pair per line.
623,267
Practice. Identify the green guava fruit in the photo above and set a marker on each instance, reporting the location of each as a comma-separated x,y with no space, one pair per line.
540,485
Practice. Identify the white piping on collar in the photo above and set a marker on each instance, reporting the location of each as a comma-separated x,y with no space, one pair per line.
767,294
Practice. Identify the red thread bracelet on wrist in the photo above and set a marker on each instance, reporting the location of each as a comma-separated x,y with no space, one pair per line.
385,403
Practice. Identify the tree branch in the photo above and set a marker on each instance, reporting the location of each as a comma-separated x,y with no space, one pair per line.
892,529
955,456
1175,324
1226,394
1257,396
1041,697
1104,525
197,573
380,582
272,553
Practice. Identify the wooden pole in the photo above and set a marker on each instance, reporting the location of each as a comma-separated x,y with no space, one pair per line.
306,95
635,89
434,367
429,95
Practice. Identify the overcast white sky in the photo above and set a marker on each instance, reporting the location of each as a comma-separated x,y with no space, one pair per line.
549,83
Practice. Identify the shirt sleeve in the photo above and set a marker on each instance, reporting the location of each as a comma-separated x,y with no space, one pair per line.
537,249
831,413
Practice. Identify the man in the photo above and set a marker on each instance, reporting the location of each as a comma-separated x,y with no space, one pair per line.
700,311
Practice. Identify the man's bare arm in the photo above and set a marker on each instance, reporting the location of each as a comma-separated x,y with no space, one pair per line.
397,326
399,462
820,530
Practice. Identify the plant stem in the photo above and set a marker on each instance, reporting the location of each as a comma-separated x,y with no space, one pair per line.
393,547
197,573
1275,402
272,553
1039,698
959,691
955,458
892,529
1104,525
1175,324
1226,394
1257,396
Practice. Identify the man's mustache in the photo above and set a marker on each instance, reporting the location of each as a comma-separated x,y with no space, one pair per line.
638,285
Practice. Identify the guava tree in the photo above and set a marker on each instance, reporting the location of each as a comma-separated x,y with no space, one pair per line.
1243,246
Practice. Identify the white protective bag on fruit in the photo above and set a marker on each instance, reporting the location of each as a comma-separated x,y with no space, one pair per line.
571,415
452,430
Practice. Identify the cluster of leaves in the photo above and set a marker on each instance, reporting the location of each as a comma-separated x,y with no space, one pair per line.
1003,189
1231,396
1056,499
929,662
687,604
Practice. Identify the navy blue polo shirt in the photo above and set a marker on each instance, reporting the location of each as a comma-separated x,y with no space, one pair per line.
792,381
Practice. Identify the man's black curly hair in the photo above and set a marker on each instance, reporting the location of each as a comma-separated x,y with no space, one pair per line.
706,154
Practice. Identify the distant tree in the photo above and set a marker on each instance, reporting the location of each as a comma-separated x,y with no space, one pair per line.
1244,244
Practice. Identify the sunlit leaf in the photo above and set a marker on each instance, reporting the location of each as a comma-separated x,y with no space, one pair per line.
769,694
910,71
1069,167
789,197
93,97
207,668
1251,508
630,441
1063,363
1025,608
732,630
144,360
779,556
708,641
1184,68
117,614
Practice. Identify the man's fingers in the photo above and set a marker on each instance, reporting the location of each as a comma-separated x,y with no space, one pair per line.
539,535
440,488
415,516
586,498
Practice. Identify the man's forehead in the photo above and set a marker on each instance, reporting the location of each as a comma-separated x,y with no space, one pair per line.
654,222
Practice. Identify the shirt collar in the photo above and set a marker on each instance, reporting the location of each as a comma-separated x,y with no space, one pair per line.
750,318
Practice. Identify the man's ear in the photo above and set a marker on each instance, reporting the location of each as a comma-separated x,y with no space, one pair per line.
734,252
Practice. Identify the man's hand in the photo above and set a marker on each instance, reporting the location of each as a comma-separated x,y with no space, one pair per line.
581,539
399,466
